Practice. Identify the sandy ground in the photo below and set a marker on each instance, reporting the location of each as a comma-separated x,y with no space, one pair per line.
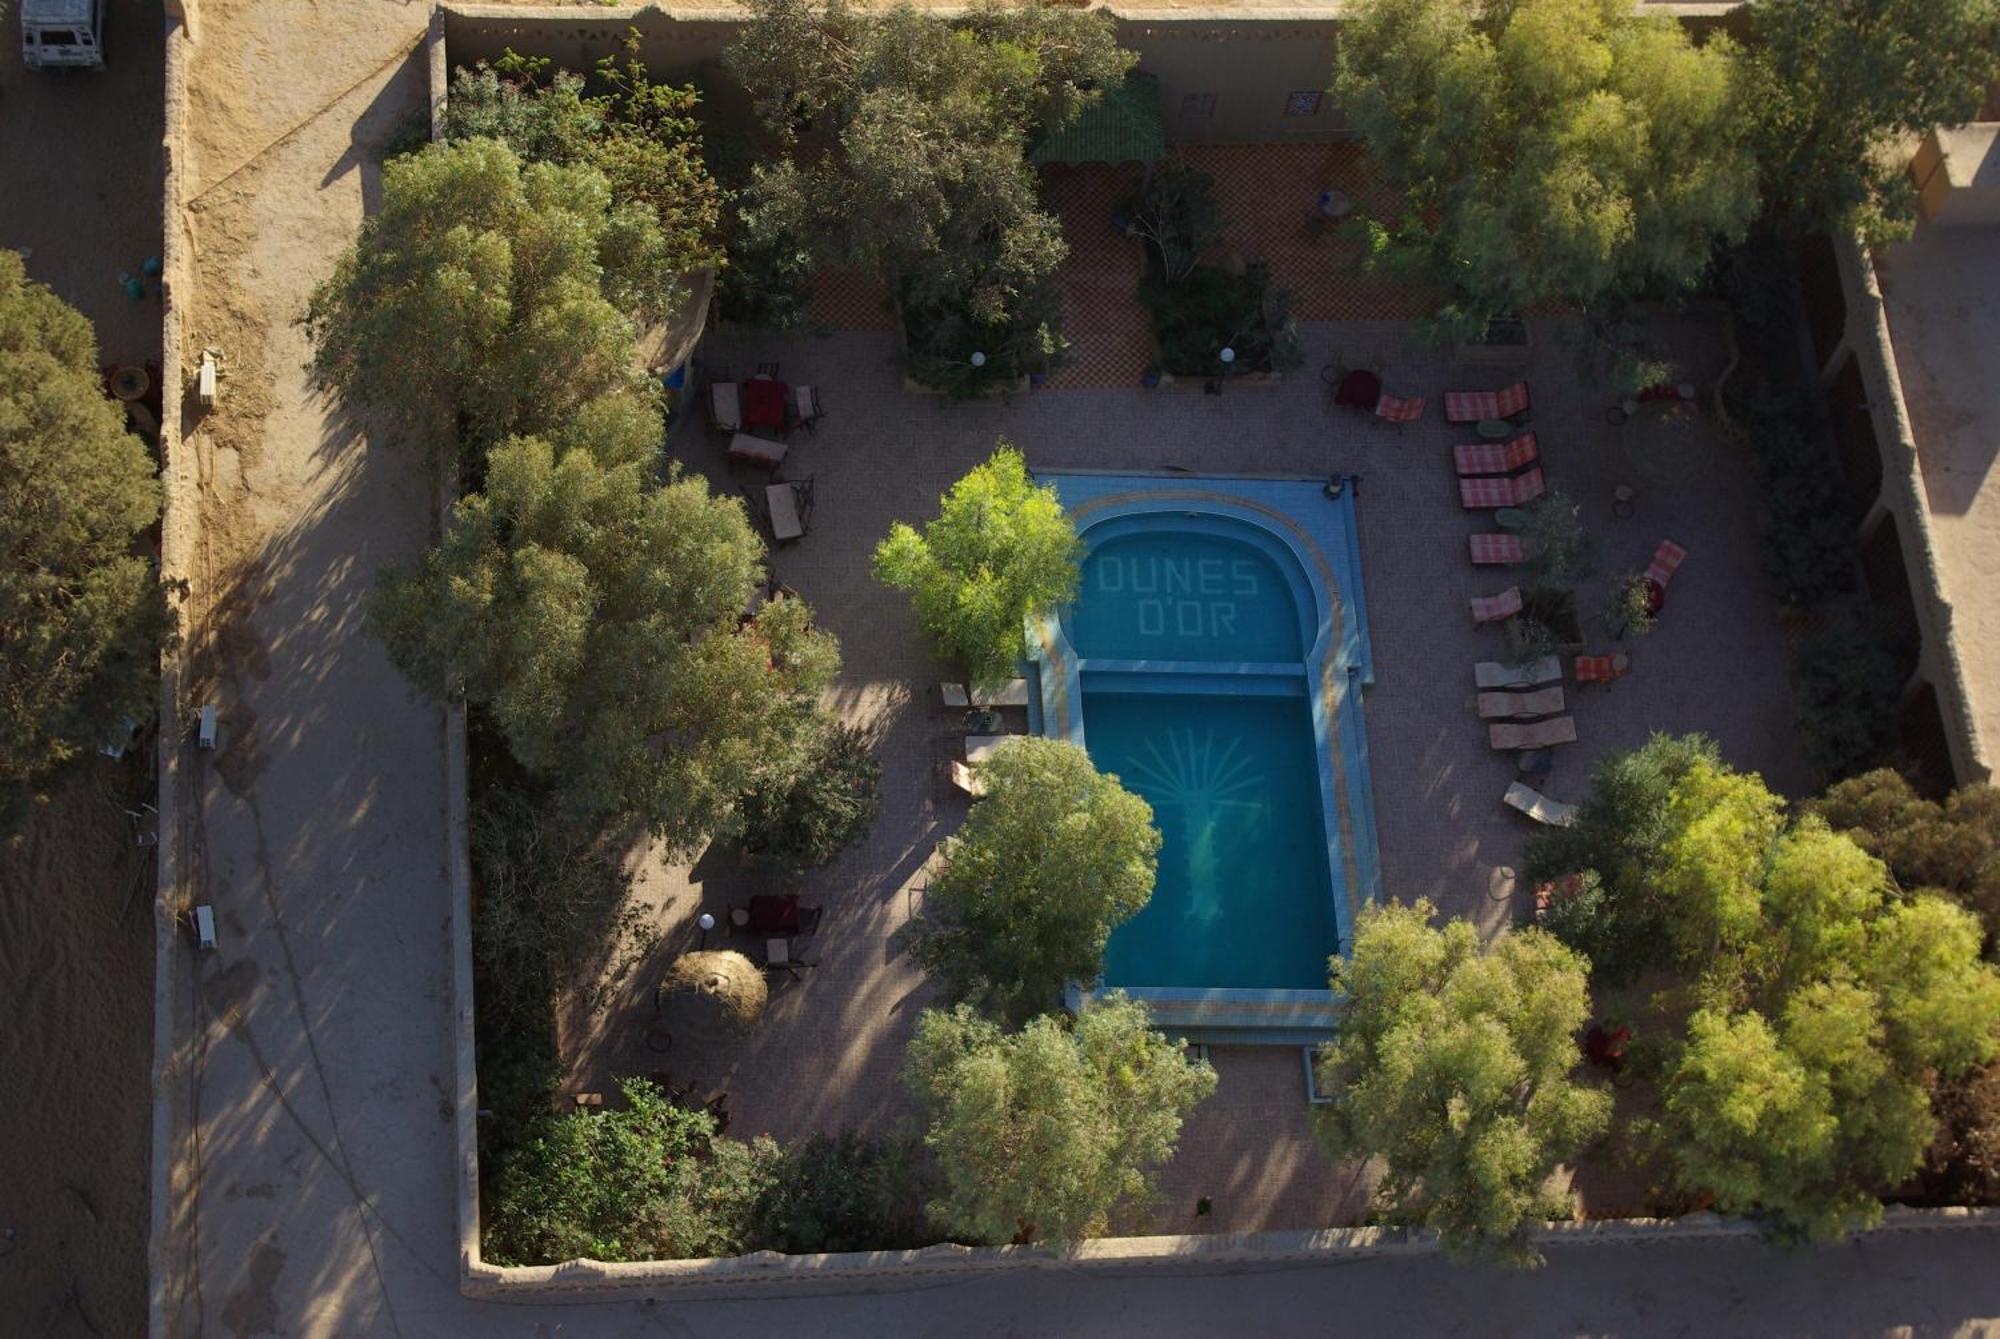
82,155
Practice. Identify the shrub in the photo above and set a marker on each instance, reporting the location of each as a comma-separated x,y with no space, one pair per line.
1845,680
1630,608
1175,213
1954,846
801,816
649,1182
1210,309
845,1192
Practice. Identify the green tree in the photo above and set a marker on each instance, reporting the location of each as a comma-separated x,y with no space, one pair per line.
487,298
599,624
1954,846
1055,857
1039,1135
641,135
1453,1065
1566,151
649,1182
915,164
1827,1004
82,615
1839,82
1001,548
1621,835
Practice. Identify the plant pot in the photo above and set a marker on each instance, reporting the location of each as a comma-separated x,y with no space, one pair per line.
1150,381
1557,611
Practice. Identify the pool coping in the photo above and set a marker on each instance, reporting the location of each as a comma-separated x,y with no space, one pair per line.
1338,663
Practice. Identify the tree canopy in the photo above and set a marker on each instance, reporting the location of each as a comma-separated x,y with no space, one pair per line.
487,298
907,135
82,614
1564,151
1953,845
599,622
1055,857
1825,1001
1039,1135
1000,549
1453,1064
641,135
1838,81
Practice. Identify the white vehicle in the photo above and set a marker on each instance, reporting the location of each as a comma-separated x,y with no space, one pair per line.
62,34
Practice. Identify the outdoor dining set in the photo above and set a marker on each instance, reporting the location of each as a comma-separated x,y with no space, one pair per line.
759,417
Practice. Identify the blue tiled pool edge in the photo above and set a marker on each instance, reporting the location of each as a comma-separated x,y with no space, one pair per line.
1319,536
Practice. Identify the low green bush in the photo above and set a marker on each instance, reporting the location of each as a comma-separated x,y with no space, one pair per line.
1845,681
1211,309
844,1192
802,818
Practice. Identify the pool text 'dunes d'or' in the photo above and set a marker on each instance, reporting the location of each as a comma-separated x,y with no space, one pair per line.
1193,597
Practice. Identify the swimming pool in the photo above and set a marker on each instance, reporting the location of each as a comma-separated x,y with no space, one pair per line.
1213,660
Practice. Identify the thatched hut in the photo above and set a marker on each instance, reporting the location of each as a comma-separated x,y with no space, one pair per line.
711,996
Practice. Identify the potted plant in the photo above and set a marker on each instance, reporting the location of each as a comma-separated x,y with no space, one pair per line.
1630,608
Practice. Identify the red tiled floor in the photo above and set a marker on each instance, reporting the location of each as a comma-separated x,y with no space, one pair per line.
847,299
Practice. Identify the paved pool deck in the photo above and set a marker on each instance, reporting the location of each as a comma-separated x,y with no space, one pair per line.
830,1050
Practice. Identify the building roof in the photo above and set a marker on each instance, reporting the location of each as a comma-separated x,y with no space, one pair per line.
1122,126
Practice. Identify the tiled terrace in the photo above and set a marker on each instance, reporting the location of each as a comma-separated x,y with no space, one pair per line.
828,1053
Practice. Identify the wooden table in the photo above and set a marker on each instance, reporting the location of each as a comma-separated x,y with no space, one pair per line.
784,507
757,450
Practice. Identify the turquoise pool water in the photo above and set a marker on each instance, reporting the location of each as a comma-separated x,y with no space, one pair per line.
1243,898
1214,659
1186,597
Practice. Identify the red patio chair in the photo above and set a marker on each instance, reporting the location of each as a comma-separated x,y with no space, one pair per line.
1666,561
1603,669
1490,494
1496,457
1394,409
1496,608
1498,550
1478,406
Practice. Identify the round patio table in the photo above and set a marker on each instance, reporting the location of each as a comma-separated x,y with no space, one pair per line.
1493,429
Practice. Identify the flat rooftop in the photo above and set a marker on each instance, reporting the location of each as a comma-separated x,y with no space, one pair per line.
1942,292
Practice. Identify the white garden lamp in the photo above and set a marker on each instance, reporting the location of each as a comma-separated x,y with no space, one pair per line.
1228,355
707,923
978,359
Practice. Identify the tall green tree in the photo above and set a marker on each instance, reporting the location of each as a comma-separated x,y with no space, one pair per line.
1453,1065
1040,1134
1566,151
1838,82
82,614
1001,548
1055,857
599,623
908,134
487,298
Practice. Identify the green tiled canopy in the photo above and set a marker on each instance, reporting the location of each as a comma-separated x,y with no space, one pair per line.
1122,126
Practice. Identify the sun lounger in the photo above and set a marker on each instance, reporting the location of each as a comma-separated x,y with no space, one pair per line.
1474,406
1493,674
978,748
1496,608
1394,409
1666,561
756,451
967,780
1603,669
1498,550
1496,457
1520,795
1487,494
1540,735
1521,706
1013,693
